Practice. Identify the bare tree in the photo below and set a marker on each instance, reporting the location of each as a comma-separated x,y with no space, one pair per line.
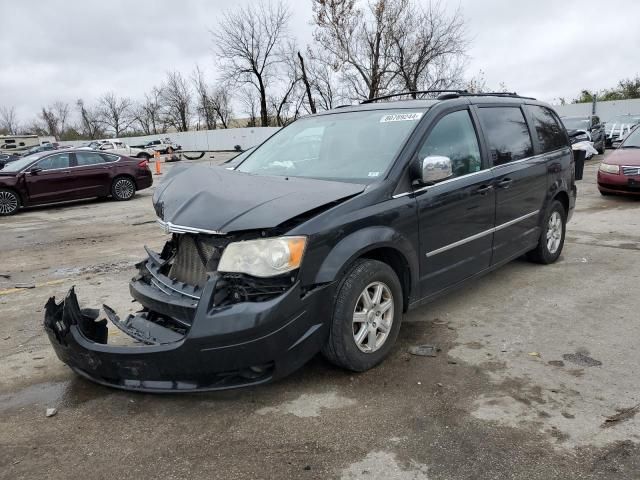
148,112
61,110
221,103
324,80
8,120
428,47
176,97
359,42
307,84
247,42
90,121
50,122
250,105
116,112
204,100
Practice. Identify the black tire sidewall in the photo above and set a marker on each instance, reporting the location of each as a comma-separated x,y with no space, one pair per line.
357,278
18,202
115,196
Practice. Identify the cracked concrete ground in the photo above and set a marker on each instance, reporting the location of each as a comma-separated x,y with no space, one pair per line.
533,361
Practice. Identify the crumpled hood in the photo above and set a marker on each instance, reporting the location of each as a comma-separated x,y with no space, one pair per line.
222,200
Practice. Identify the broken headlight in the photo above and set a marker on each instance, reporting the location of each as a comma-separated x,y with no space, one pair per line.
264,257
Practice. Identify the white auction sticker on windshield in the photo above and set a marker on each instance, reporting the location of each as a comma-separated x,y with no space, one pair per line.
401,117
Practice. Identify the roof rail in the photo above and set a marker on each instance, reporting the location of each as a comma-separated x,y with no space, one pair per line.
417,92
496,94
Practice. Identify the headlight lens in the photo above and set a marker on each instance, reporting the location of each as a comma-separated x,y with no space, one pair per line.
264,257
608,168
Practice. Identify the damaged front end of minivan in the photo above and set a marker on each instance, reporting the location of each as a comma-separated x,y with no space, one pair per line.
204,325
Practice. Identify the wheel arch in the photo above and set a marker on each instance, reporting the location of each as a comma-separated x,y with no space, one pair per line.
377,243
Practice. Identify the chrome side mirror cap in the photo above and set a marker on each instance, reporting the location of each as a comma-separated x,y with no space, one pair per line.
435,168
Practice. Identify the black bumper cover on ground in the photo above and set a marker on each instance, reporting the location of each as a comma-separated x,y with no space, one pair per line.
225,347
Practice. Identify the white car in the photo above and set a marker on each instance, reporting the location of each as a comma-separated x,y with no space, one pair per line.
116,146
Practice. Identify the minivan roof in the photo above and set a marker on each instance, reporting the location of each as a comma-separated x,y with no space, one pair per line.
469,98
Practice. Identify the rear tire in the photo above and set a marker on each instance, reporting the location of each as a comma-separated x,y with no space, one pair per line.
552,235
123,188
603,147
9,202
366,316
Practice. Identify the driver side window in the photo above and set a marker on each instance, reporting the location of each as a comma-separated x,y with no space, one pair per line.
454,136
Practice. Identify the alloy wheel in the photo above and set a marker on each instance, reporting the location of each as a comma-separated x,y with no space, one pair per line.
124,188
554,232
8,202
373,317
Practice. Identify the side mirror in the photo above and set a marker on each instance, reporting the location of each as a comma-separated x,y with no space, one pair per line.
35,170
434,169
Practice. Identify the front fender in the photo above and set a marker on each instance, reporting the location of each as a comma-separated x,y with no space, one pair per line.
359,243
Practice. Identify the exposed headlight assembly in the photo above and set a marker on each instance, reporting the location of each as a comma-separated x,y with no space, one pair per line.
608,168
265,257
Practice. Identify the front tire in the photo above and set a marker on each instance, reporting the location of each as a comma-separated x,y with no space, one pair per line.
9,202
123,188
552,236
366,316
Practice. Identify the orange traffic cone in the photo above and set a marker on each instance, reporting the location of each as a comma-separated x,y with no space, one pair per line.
156,155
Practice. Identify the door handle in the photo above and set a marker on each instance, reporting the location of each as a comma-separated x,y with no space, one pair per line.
505,183
483,189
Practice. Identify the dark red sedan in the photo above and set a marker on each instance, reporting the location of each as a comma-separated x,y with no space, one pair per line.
620,171
58,176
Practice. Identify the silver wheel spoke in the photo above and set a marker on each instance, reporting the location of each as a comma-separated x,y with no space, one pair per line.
385,306
366,300
361,335
377,295
373,337
359,317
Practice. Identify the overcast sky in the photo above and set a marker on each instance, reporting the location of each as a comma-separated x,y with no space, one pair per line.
70,49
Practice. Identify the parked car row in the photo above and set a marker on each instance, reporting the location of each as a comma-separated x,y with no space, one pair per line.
71,174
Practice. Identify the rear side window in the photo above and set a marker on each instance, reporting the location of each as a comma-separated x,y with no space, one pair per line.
550,134
108,157
88,158
507,134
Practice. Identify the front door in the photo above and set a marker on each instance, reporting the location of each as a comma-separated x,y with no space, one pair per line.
456,215
520,180
52,181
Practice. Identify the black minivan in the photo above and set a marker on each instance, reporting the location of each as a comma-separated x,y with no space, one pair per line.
324,235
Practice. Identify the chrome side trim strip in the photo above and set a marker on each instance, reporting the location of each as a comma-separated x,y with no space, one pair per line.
169,227
481,234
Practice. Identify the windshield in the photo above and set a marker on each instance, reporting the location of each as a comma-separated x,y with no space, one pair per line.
575,123
21,163
632,140
352,146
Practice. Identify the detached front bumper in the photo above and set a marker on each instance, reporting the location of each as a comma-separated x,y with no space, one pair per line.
224,347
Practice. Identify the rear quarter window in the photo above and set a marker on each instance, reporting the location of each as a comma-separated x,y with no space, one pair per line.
550,134
109,157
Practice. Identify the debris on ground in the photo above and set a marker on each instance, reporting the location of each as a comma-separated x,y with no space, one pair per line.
51,412
25,285
534,354
581,359
424,350
622,415
5,276
556,363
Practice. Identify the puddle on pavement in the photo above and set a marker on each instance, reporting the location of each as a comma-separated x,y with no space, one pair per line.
52,394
